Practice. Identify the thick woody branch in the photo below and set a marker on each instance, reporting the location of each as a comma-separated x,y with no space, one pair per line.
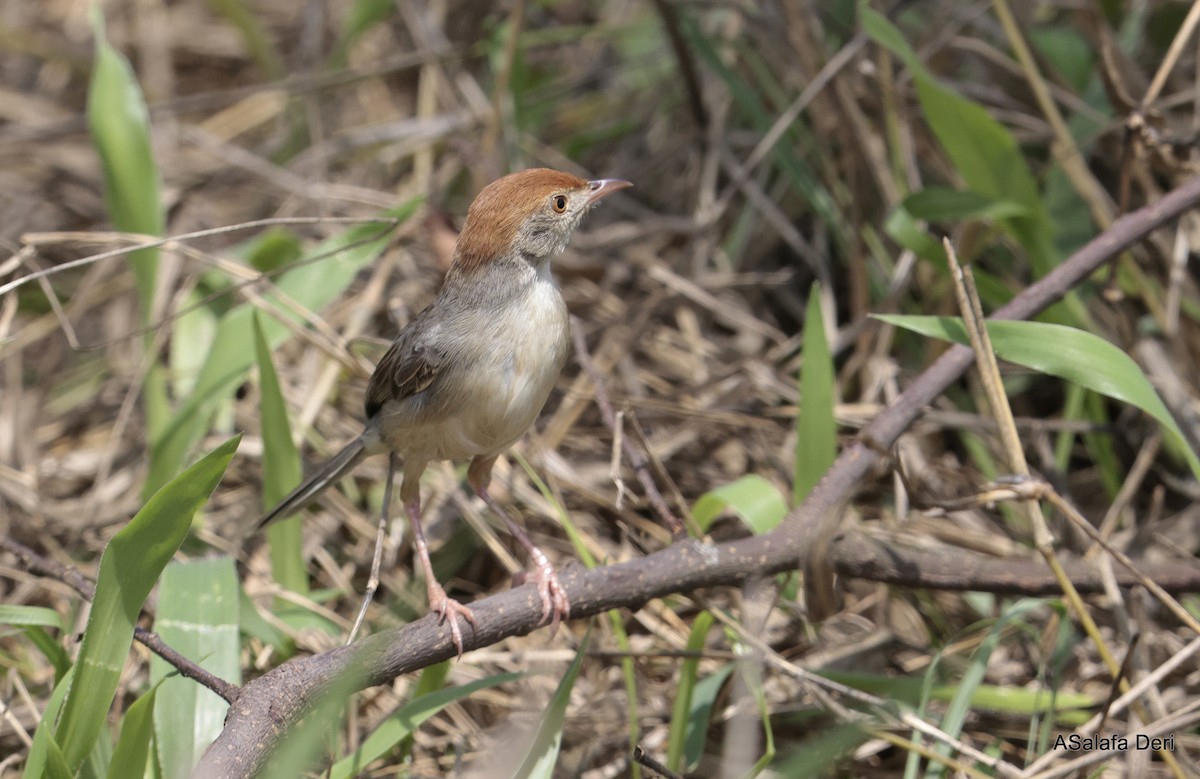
858,556
270,705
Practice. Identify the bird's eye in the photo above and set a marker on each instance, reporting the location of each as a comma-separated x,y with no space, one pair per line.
559,203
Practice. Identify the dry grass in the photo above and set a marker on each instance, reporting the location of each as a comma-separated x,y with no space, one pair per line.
690,290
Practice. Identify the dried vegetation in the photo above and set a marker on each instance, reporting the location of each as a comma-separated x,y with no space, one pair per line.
771,145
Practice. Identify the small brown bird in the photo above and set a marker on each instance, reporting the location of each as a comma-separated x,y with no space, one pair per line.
468,376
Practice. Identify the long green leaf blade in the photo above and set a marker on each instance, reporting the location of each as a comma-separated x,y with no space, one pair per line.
198,612
542,754
816,428
405,721
129,567
133,746
45,754
281,469
682,710
30,615
120,130
1066,352
959,708
704,697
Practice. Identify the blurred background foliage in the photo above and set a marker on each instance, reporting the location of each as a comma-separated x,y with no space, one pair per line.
796,164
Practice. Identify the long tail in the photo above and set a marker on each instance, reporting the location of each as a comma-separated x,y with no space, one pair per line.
340,465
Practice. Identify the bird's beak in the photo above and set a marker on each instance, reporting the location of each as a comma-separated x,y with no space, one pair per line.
603,187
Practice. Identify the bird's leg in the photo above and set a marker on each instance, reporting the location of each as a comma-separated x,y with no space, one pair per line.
449,609
555,606
380,540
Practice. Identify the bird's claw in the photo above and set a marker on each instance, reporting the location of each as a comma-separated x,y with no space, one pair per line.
450,610
555,606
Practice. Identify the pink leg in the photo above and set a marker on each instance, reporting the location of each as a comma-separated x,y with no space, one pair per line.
449,609
555,606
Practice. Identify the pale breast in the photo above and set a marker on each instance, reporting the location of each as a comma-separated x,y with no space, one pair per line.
531,349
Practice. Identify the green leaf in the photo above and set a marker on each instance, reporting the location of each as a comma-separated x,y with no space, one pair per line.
822,752
1068,52
1100,446
120,130
982,150
1066,352
404,722
281,470
542,753
959,708
683,711
191,337
903,228
704,697
757,501
133,746
816,428
1012,701
883,32
30,615
53,651
271,249
323,275
751,673
45,755
98,760
130,565
577,537
431,680
615,618
198,617
940,204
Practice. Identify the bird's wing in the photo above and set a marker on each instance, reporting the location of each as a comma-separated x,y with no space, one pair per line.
408,367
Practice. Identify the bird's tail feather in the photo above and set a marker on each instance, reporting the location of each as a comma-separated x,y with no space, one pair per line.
338,466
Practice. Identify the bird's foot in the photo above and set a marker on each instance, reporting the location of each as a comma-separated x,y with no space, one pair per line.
555,606
450,611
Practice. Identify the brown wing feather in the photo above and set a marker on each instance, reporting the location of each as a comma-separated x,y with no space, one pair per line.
407,368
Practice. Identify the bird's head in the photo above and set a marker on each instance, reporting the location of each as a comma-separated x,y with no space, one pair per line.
530,214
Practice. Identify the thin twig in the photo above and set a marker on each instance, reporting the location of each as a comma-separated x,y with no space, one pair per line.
636,460
641,758
150,242
683,56
42,566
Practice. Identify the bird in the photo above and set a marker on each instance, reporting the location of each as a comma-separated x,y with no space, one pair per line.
467,377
